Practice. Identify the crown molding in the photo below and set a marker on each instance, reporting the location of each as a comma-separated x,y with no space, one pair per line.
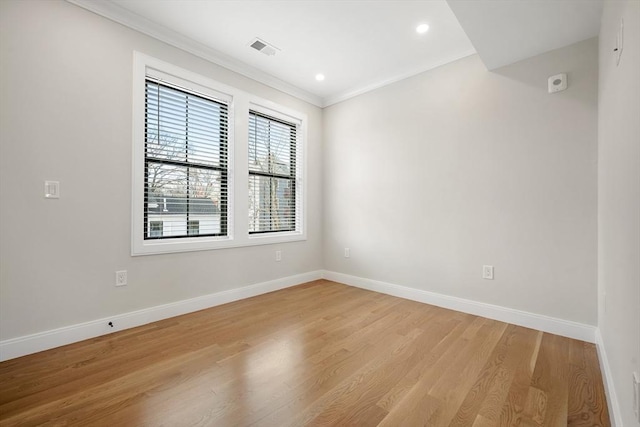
136,22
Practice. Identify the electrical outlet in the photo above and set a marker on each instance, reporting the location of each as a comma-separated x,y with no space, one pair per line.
347,252
278,256
52,189
487,272
121,278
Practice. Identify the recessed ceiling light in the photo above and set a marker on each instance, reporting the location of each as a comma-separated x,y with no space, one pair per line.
319,77
422,28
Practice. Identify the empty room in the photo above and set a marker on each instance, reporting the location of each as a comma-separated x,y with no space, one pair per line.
320,213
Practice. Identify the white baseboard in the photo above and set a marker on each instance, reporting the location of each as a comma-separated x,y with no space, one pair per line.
539,322
612,400
34,343
21,346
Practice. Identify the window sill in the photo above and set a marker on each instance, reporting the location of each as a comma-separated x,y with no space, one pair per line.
168,246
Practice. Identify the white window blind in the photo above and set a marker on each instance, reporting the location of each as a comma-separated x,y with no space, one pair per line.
186,163
273,151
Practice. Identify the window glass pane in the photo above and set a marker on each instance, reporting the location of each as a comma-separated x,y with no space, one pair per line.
271,146
185,127
272,174
271,204
165,126
181,195
185,163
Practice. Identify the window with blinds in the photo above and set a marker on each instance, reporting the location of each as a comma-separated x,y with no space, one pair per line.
185,163
273,147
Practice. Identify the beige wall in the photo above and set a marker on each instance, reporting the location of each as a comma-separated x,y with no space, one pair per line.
66,115
429,178
619,199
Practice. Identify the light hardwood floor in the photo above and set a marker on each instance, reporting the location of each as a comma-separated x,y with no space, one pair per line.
321,353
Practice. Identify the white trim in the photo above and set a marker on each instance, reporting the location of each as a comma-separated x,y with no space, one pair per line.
610,391
565,328
143,66
122,16
21,346
299,119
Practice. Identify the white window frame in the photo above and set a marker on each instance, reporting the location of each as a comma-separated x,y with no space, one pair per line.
239,103
299,120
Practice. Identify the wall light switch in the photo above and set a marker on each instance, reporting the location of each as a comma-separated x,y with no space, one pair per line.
347,252
52,189
487,272
278,255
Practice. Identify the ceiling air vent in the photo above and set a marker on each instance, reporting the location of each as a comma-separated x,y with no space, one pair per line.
264,47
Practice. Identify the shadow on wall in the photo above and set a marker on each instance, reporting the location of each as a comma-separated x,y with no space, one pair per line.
534,73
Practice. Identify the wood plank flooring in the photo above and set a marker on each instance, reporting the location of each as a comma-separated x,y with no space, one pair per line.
317,354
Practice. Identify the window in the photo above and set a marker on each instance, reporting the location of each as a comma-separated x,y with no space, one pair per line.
185,162
272,174
188,193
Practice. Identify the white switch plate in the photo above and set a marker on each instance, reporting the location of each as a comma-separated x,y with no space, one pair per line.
121,278
487,272
52,189
347,252
278,255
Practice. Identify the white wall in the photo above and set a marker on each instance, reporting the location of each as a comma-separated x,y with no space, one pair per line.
430,178
66,82
619,199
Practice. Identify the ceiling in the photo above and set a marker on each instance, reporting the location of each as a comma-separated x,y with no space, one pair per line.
507,31
358,45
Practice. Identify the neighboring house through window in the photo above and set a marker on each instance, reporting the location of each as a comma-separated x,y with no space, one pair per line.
156,228
193,228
